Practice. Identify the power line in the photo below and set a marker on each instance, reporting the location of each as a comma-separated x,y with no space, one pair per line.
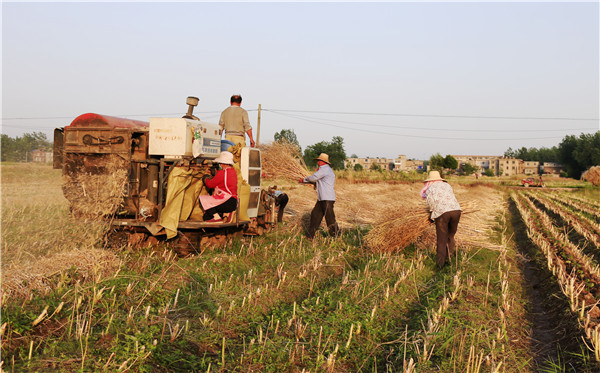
433,115
422,137
426,129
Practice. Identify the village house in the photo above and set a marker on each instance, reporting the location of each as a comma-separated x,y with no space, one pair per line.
530,167
41,156
397,164
553,169
500,165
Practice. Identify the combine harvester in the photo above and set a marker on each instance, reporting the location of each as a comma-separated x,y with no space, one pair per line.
145,179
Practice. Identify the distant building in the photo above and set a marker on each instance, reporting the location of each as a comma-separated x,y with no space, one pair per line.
531,167
506,166
483,162
551,168
41,156
392,164
500,165
413,165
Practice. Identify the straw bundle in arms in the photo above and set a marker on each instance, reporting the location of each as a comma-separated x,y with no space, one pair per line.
399,228
403,226
283,160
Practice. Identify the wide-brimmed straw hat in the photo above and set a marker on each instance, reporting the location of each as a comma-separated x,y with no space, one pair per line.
323,157
225,158
434,176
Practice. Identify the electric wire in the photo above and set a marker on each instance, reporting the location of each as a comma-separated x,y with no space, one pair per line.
425,129
418,136
434,115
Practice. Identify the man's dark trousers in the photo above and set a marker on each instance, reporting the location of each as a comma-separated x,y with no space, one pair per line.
323,208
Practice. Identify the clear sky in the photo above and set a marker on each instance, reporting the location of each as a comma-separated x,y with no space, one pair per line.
389,78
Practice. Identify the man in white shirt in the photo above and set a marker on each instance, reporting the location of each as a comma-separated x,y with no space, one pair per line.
325,180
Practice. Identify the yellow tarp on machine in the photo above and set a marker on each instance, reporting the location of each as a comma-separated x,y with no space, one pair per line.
184,188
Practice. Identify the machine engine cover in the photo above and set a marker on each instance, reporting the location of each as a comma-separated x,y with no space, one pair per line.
173,137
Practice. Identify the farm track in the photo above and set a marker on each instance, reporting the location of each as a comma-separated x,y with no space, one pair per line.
554,328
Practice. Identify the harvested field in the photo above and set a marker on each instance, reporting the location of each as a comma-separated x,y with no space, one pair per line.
279,302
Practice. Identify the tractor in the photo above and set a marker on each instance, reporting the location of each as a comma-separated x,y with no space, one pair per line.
145,179
533,182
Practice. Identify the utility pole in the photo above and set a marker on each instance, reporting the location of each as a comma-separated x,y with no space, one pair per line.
258,126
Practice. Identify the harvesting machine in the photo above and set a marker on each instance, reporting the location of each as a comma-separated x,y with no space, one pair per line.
145,179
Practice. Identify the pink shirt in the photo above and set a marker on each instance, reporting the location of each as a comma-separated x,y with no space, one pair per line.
440,198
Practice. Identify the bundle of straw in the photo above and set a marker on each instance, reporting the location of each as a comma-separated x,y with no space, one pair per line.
283,160
592,175
404,226
401,228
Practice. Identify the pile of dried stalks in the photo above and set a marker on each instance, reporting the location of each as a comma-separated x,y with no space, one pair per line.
98,193
283,160
405,225
592,175
399,228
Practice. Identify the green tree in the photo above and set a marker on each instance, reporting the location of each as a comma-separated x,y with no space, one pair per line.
358,167
450,162
436,162
335,150
533,154
579,154
489,172
468,169
288,136
375,167
17,149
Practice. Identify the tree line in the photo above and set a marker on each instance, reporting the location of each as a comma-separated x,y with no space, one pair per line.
575,153
17,149
333,148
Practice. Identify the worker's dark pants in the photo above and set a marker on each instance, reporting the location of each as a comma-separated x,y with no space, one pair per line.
322,208
227,206
445,229
281,201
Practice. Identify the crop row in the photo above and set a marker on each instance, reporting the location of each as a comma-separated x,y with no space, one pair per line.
583,226
575,273
584,208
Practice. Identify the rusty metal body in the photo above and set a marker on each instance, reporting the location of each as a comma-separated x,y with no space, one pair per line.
103,146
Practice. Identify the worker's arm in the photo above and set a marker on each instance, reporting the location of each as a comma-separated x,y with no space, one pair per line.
249,132
219,179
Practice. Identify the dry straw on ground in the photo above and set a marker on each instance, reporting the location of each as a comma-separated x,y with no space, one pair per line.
592,175
283,160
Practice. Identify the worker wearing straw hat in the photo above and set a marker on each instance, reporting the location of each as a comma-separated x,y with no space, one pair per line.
325,180
445,212
224,199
